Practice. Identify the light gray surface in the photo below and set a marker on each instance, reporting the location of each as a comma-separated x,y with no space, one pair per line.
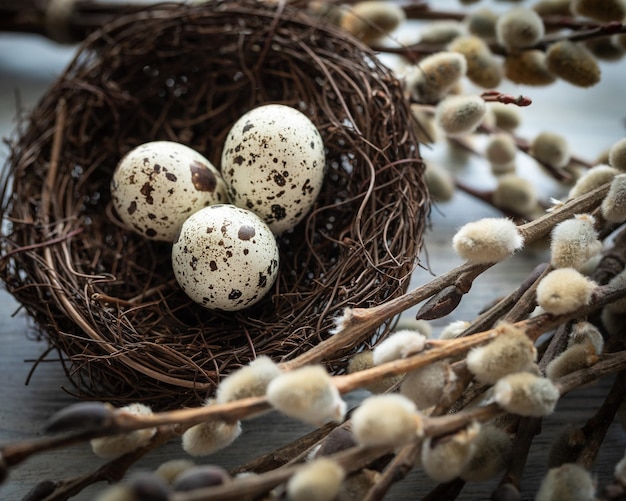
592,119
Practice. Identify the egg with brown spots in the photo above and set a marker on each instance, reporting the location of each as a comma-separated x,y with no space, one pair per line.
273,163
157,185
225,258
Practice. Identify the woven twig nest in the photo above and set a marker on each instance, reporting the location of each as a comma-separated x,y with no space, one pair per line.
105,297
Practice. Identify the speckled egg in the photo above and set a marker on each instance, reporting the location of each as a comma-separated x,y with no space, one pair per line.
157,185
225,258
273,164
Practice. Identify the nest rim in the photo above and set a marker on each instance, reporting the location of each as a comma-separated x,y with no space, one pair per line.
124,330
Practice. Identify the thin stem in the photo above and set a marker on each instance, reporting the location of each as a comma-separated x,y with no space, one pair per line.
528,428
596,428
112,471
400,465
527,301
555,346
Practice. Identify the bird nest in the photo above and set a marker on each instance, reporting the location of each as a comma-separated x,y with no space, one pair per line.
106,298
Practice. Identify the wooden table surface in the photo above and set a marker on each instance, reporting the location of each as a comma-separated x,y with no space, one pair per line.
591,119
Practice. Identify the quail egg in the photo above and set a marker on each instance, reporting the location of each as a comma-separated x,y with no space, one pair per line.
225,257
273,163
157,185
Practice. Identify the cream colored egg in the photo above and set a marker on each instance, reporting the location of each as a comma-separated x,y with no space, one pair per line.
225,258
157,185
273,164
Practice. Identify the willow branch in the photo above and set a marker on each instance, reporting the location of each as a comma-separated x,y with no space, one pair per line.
597,426
397,469
362,322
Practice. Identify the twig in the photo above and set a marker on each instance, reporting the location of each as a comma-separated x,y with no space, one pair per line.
613,260
283,455
112,471
555,346
597,31
527,301
597,426
401,464
351,459
487,319
528,428
448,490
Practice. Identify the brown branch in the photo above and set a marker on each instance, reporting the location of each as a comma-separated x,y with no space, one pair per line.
597,426
112,471
360,322
580,35
396,470
528,428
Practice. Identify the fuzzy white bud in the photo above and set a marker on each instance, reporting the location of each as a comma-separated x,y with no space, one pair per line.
511,351
342,321
488,240
483,69
113,446
454,329
459,115
445,459
587,333
573,63
617,155
441,32
308,394
248,381
553,7
528,67
440,183
210,436
563,291
568,481
365,360
500,149
372,19
577,356
169,470
389,419
436,75
425,386
319,480
614,204
410,323
515,193
604,11
356,486
507,116
519,27
550,148
574,241
525,394
482,23
400,344
492,451
592,179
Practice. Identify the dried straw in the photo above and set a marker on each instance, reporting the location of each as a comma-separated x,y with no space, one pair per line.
107,298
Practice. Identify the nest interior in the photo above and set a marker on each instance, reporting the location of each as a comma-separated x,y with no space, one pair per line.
105,298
